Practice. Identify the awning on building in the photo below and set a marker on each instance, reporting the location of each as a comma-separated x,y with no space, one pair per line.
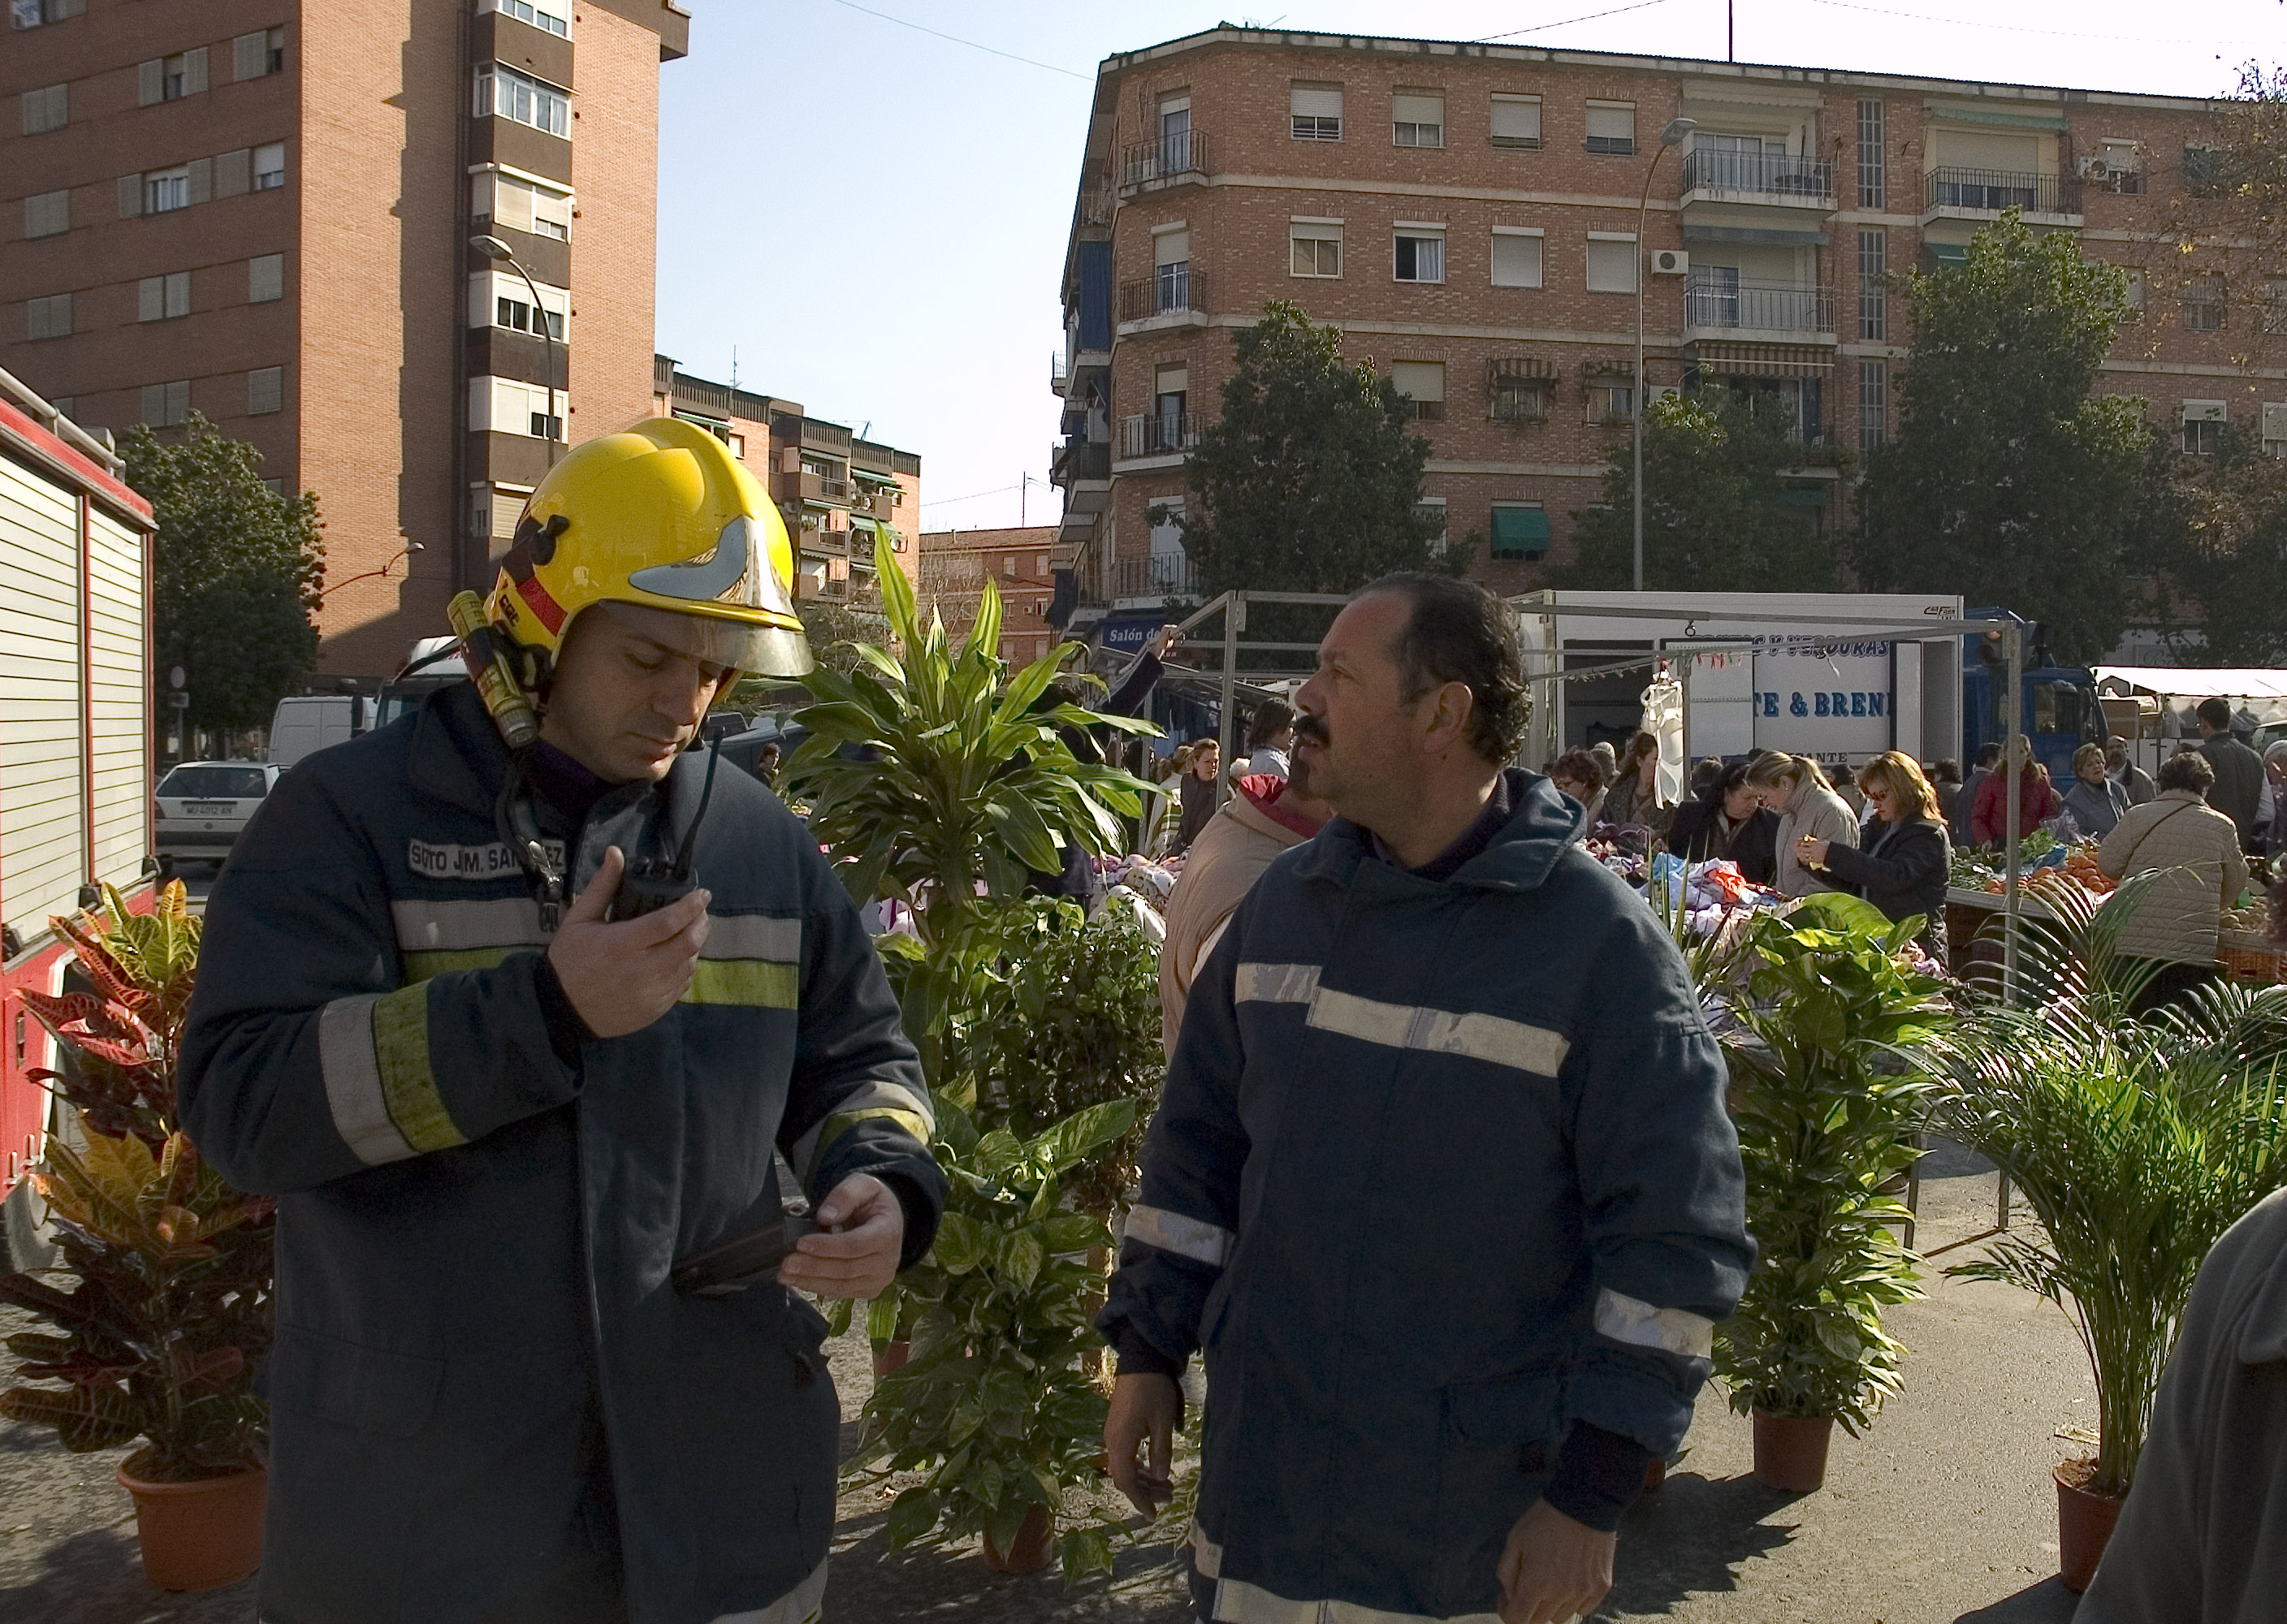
1695,232
1519,366
1950,256
1763,360
1520,529
872,477
1598,366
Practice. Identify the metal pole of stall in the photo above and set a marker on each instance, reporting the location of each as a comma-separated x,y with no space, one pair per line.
1234,622
2013,645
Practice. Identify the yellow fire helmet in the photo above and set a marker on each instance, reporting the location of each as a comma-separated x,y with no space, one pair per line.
661,518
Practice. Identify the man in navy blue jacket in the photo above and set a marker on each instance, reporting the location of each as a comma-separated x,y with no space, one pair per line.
1441,1185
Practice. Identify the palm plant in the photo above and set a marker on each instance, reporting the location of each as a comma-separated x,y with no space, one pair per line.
1827,1088
2136,1143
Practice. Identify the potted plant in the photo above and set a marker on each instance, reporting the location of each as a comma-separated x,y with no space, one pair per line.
994,1404
170,1317
1825,1093
2136,1143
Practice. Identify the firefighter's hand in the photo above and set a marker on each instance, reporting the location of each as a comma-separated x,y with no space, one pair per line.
1554,1568
1138,1435
622,977
861,1258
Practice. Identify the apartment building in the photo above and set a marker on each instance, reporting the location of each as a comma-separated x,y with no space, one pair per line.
956,564
261,210
833,488
1481,220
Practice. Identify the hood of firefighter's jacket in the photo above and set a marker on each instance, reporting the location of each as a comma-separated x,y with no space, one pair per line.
1543,823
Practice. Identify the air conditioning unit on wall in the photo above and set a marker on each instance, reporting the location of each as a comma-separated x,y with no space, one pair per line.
1670,262
2204,412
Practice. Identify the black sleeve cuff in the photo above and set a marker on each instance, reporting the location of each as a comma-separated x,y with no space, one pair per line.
920,1217
1599,1476
1138,1357
567,1031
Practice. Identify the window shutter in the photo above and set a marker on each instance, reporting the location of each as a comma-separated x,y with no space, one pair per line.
249,55
2011,153
265,279
1515,120
1516,261
512,204
1416,108
195,71
151,299
265,391
47,213
1612,267
551,214
47,109
1172,380
202,188
130,196
1424,380
2275,420
155,404
1171,248
1611,122
150,82
1318,101
233,171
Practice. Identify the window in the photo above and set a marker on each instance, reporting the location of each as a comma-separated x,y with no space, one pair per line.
1418,118
1171,269
270,166
1873,404
1516,122
47,213
2116,168
2275,304
2204,307
163,298
1610,396
2273,423
1870,155
503,92
500,299
1520,529
48,316
171,78
46,109
166,405
1423,383
1516,257
1315,248
1171,391
1518,390
1431,510
167,190
508,405
261,52
522,205
2133,299
265,279
1419,253
1873,286
543,15
1611,264
2203,171
33,13
2203,426
1316,112
1174,153
1612,127
265,391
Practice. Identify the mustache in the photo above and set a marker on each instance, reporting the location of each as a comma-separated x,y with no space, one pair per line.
1309,727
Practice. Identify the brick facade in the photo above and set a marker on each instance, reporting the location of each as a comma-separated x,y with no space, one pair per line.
956,564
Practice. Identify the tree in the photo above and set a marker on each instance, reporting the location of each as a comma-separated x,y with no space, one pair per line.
1715,514
2007,483
236,570
1309,481
2216,541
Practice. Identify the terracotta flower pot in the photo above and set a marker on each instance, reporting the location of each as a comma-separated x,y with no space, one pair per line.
1790,1450
201,1535
1028,1552
2084,1525
892,1356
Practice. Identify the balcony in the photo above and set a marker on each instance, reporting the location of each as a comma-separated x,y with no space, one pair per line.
1765,177
1979,194
1156,578
1059,372
873,502
1071,463
1168,160
1161,435
1172,290
1733,305
809,487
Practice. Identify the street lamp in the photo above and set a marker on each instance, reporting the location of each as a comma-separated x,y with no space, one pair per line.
493,249
1671,135
409,547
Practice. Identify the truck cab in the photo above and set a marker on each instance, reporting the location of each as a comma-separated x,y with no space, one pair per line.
2062,709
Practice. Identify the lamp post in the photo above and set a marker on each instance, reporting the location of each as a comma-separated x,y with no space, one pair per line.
495,249
409,547
1671,135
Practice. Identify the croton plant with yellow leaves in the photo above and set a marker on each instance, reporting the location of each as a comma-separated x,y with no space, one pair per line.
161,1306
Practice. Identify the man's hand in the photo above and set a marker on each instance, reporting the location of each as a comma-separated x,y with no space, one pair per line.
1164,642
1554,1568
1143,1410
861,1259
623,976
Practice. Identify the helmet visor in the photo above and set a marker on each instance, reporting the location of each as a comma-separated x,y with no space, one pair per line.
737,645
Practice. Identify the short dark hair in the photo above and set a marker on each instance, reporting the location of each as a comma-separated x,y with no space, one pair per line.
1271,718
2216,714
1949,770
2188,770
1989,752
1582,766
1459,633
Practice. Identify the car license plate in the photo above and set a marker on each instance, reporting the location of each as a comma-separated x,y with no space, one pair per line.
199,808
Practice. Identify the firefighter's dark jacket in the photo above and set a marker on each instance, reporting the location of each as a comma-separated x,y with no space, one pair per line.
1443,1168
474,1236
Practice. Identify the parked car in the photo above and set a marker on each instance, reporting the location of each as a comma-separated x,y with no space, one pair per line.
200,808
307,723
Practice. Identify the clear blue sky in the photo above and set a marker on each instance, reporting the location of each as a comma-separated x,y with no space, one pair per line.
874,217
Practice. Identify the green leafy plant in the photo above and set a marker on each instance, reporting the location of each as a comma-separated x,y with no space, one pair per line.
2136,1143
994,1406
1826,1088
170,1317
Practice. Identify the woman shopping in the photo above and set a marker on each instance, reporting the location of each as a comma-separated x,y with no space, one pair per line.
1727,820
1793,787
1902,866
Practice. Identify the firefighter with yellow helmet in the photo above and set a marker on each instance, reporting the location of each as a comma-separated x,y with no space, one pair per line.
572,1069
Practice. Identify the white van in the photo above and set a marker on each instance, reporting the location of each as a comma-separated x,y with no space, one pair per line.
306,725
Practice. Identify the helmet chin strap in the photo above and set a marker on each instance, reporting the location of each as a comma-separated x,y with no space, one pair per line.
516,819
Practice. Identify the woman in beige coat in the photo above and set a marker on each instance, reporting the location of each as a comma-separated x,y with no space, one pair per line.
2173,928
1793,787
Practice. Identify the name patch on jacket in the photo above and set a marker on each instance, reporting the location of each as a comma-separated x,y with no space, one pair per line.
440,862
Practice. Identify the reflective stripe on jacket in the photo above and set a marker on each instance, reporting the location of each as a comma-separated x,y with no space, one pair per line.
474,1236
